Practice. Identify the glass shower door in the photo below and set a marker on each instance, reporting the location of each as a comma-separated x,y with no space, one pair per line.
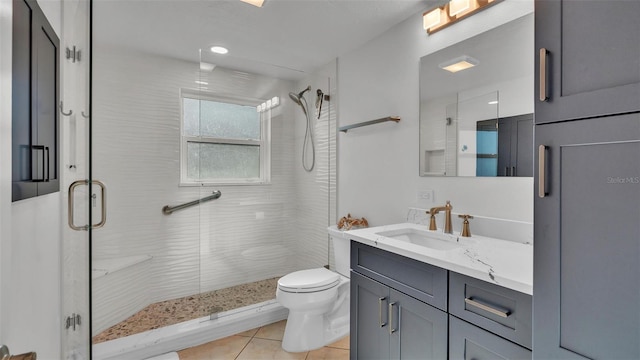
74,128
146,260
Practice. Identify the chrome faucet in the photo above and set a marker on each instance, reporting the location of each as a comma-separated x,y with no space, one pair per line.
447,217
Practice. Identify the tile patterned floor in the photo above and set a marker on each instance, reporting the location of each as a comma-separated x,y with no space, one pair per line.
260,344
175,311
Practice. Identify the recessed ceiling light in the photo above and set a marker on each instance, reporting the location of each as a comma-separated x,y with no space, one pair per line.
219,50
458,64
202,82
494,102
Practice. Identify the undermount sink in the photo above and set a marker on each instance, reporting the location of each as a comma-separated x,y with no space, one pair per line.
428,239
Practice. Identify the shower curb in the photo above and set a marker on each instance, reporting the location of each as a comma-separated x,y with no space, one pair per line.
190,333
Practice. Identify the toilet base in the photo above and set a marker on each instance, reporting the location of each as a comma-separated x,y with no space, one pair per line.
305,332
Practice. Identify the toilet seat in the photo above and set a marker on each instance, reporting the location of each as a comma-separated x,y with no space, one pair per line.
307,281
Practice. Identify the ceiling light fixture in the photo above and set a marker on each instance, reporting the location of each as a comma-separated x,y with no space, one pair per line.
453,11
206,66
257,3
219,50
200,82
458,64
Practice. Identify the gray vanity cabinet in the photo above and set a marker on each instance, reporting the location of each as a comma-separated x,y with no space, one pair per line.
387,323
587,247
592,58
406,309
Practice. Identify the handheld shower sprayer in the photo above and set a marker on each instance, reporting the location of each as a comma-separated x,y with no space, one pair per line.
299,99
296,97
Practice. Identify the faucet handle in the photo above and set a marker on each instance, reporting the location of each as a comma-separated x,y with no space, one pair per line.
466,232
432,222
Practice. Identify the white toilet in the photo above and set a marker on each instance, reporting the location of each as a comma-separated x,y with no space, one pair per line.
318,303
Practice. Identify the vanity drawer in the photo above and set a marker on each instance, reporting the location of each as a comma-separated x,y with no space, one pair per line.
502,311
424,282
468,341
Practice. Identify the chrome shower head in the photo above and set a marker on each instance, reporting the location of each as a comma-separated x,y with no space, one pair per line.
296,97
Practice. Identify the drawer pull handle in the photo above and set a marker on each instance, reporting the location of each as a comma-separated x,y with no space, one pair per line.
380,300
391,329
542,171
479,305
543,75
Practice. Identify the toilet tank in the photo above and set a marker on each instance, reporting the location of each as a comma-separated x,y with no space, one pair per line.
341,252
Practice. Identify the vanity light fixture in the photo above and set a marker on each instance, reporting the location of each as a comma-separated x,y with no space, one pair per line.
458,64
432,18
456,7
219,50
257,3
451,12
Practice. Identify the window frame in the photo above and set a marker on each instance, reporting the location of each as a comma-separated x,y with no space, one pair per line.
264,142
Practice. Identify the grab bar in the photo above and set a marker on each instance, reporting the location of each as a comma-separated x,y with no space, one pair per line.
167,210
370,122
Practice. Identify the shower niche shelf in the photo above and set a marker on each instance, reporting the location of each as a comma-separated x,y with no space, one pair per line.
103,267
370,122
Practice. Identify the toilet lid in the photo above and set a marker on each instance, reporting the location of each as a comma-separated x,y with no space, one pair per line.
309,280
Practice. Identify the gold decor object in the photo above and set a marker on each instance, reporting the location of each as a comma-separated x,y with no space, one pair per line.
347,222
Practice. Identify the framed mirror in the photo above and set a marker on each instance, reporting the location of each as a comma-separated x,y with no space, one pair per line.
476,104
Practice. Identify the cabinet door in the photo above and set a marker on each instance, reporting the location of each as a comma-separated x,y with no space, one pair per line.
21,126
592,60
587,247
515,145
35,75
522,149
369,318
469,342
44,103
417,330
504,146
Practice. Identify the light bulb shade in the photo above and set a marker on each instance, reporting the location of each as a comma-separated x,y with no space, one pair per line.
458,6
257,3
432,18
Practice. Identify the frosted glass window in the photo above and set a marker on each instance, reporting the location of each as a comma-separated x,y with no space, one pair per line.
221,120
222,161
223,141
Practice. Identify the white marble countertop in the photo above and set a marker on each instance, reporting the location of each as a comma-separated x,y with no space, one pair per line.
505,263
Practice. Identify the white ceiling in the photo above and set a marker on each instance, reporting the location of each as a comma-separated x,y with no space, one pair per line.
283,39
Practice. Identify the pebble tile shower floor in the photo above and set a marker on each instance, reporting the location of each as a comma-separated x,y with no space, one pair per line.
187,308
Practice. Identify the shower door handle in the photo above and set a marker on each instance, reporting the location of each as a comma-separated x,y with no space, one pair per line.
71,203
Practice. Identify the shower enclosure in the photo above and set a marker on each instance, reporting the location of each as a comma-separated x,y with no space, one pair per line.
168,130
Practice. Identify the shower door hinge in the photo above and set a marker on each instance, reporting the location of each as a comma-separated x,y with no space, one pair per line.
72,321
73,54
